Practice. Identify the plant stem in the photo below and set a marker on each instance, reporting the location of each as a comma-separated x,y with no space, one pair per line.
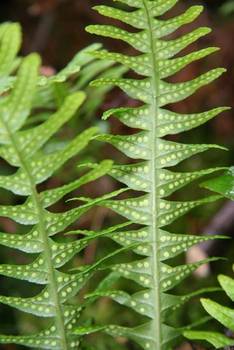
157,328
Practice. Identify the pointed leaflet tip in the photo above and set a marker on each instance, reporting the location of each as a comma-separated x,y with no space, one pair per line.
225,108
194,11
89,29
213,49
222,148
227,284
97,8
34,58
204,301
199,8
204,30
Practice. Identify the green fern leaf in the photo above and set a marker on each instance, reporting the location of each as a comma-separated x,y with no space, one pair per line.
23,148
155,62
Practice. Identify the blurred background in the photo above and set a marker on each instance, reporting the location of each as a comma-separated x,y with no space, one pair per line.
56,29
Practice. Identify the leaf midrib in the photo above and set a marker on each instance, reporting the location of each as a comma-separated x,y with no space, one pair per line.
59,319
154,177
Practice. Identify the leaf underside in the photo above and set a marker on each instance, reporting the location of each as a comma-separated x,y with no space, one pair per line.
24,148
157,60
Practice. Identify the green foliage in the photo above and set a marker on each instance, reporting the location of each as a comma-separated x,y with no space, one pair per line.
227,8
152,241
24,149
223,185
76,76
25,136
221,313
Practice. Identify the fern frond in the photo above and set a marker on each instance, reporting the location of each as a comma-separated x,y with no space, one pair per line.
24,149
155,62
